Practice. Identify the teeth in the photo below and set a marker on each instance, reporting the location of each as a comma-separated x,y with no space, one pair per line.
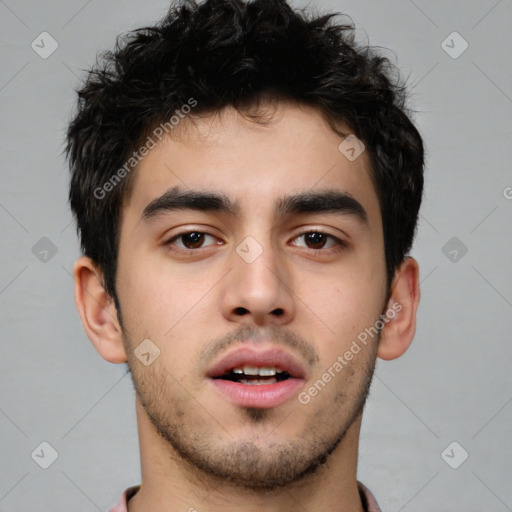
251,370
265,371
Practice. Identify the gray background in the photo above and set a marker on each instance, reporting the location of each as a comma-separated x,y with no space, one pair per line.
452,385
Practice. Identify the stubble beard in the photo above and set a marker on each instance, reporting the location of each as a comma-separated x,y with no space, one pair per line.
270,466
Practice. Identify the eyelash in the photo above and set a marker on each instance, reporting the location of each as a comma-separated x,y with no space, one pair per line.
341,244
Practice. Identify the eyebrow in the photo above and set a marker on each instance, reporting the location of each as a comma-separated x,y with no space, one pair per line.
328,201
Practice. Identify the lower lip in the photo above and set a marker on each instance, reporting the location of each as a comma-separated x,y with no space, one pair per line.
263,396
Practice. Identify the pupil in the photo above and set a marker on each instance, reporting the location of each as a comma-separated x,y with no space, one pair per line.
195,238
316,238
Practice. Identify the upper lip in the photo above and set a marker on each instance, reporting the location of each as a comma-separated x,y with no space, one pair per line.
249,356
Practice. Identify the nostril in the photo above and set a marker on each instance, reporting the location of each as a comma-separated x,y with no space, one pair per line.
240,311
278,312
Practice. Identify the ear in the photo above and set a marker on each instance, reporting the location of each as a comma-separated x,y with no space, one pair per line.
398,332
97,311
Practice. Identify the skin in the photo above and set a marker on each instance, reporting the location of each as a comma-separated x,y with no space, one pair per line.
197,449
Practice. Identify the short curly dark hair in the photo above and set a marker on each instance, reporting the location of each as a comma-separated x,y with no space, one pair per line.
232,53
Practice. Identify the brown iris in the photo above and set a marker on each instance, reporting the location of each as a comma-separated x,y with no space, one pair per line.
315,238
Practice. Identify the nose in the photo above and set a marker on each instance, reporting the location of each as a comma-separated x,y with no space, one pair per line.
258,287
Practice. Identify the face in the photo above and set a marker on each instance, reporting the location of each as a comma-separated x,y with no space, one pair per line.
251,300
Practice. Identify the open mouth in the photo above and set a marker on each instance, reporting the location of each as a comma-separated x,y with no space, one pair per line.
254,375
262,378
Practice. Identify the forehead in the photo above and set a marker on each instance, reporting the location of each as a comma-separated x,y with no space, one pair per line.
292,151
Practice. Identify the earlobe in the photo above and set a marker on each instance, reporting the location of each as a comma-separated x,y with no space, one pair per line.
97,311
398,332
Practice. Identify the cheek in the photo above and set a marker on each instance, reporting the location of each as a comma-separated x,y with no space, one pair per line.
349,300
170,309
341,313
156,294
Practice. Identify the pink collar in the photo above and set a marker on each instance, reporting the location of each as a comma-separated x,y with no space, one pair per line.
369,501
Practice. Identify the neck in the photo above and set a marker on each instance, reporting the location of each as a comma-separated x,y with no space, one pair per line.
169,483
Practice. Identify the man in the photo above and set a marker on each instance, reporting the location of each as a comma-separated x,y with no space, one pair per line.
246,183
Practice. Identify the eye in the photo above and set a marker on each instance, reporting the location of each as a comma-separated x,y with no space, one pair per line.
189,240
317,240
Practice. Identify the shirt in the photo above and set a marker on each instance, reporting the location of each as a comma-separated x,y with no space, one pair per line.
369,502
